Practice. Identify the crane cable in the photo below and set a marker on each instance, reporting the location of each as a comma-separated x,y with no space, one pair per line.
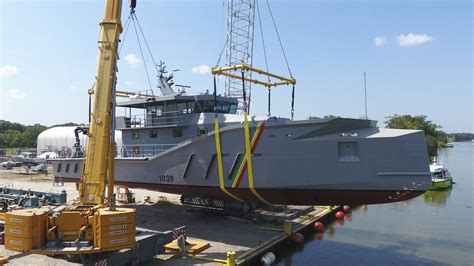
279,39
127,25
265,56
286,61
141,51
146,43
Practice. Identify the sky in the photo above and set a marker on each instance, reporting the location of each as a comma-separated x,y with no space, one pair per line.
418,56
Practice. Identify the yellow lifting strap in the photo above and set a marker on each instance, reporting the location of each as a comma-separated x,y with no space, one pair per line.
220,169
225,71
248,157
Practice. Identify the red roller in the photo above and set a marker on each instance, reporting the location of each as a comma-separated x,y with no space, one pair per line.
339,215
298,238
346,208
319,227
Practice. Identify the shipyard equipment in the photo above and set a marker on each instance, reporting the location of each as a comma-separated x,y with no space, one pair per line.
93,224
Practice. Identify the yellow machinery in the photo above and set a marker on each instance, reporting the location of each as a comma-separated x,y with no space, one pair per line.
93,224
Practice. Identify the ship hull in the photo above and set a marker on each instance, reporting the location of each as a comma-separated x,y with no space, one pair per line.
341,161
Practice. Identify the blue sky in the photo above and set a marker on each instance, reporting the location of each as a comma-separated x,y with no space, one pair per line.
417,54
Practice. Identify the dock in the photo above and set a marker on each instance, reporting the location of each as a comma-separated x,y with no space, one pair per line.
247,239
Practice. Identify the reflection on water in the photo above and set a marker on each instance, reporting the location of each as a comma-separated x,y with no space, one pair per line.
437,197
433,229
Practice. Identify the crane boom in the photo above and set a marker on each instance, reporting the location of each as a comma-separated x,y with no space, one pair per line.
88,226
96,166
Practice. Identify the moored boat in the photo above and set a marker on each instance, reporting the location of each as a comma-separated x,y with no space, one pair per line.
440,177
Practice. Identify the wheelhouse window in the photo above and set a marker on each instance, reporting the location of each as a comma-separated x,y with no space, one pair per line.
348,151
153,134
221,107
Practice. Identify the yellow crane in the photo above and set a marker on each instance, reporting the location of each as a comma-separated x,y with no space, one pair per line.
93,224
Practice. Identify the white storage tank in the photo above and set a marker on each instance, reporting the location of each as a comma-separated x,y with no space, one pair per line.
61,140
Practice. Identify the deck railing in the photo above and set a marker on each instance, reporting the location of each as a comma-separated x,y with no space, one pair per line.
146,150
123,151
166,118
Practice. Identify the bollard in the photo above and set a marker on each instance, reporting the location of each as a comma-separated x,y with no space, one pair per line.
181,241
231,257
287,227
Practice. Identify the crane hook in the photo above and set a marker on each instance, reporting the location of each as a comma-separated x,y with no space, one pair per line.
132,4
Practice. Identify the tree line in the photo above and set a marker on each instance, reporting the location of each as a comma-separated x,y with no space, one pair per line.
435,138
462,136
16,135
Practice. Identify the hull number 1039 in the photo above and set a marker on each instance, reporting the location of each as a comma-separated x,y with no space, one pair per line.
166,178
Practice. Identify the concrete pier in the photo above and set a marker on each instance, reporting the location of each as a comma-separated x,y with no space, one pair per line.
248,238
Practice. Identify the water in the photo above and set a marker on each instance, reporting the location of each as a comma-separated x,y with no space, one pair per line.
433,229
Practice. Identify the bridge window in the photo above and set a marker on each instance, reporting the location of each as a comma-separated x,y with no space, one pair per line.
153,134
348,151
67,168
75,168
59,167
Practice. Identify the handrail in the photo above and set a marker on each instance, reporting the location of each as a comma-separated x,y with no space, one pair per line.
166,118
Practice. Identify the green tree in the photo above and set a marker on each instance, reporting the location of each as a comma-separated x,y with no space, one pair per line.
434,137
30,135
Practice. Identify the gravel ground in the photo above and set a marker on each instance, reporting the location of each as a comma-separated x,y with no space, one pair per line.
165,213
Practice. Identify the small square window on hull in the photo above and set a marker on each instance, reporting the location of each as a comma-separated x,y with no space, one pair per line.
135,134
348,151
177,132
201,131
153,134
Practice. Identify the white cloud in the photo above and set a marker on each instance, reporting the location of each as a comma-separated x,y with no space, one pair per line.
380,41
129,83
413,39
133,60
202,69
8,71
16,94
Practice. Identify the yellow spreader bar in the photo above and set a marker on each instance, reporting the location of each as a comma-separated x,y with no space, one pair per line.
219,163
248,157
225,71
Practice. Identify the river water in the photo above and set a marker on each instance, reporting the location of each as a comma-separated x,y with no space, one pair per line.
434,229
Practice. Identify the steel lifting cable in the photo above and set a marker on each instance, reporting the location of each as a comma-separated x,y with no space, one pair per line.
286,61
221,33
146,43
265,55
141,52
279,39
127,25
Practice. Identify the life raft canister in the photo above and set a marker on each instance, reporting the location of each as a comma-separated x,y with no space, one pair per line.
136,150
